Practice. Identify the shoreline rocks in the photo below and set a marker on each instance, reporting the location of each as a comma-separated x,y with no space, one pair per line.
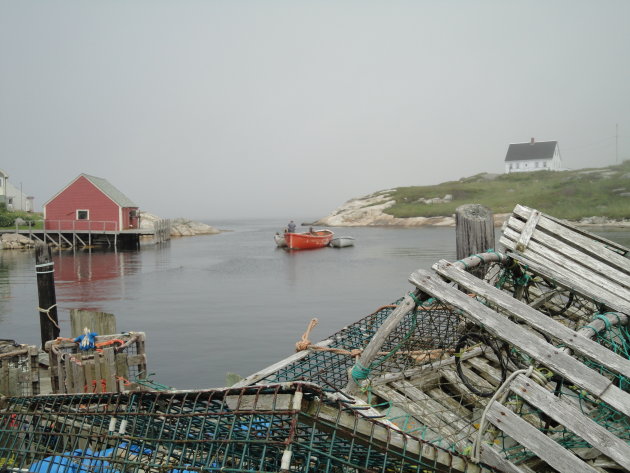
369,212
15,241
179,226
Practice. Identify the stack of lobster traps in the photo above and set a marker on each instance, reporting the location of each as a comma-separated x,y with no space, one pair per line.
525,369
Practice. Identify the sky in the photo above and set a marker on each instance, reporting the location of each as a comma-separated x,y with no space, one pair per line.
216,109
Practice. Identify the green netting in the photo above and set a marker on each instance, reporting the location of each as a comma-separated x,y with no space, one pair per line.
255,429
430,327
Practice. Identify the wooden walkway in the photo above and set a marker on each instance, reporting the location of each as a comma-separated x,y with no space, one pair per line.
86,239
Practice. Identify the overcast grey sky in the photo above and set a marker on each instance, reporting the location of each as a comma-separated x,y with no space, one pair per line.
228,108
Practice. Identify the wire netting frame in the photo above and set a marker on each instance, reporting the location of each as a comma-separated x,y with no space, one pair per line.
292,427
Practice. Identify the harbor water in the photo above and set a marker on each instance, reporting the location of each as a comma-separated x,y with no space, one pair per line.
231,302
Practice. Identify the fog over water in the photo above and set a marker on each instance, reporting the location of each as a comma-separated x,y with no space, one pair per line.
231,109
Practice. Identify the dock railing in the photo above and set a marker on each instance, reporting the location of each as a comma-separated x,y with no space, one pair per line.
81,225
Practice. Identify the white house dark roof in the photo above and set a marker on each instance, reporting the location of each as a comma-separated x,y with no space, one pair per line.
110,191
529,151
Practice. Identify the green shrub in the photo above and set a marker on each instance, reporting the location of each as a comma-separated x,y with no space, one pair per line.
6,219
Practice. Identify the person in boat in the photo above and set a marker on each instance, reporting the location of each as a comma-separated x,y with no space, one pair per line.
291,227
310,230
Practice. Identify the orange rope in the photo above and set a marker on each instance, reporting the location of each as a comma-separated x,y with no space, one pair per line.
304,342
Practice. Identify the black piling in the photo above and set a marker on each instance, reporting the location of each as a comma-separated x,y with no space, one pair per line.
44,267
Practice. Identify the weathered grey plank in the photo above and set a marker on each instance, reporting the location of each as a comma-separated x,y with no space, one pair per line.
569,280
446,416
528,230
530,437
550,246
423,413
539,321
373,347
569,416
535,347
99,322
426,368
595,245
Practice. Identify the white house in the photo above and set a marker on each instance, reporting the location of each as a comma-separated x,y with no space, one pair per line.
12,197
533,156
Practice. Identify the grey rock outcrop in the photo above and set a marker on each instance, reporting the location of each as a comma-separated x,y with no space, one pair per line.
15,241
368,211
179,226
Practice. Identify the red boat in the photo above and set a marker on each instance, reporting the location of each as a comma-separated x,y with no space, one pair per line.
309,240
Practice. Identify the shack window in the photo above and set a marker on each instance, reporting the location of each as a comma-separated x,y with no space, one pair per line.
83,214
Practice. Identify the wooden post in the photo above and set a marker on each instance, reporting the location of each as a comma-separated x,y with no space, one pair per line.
474,230
44,267
99,322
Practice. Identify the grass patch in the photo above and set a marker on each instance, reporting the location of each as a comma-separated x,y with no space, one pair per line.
32,220
565,194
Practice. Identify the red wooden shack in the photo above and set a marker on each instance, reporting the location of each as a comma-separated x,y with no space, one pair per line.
90,204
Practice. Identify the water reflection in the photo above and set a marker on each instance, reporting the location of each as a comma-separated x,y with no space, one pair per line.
91,277
85,266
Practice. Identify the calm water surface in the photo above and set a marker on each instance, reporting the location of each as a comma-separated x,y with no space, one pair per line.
230,302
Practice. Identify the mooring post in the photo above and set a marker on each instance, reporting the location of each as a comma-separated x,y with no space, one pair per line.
474,230
44,267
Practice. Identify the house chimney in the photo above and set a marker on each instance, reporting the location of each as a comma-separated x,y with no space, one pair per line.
533,141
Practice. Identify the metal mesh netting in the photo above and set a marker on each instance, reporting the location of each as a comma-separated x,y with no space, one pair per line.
422,335
270,428
436,371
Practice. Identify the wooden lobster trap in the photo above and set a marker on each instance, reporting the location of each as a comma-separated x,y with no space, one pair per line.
19,369
110,366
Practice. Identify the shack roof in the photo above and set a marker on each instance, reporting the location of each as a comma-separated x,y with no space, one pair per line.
105,187
528,151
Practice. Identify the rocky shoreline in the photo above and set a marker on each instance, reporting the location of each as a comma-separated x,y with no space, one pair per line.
180,227
369,212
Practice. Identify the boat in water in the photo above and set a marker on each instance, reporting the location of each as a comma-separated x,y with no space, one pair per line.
308,240
280,240
342,242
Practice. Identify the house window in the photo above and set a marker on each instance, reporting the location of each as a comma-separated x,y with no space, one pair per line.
83,214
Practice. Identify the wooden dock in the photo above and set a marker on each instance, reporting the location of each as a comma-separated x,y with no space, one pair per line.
98,236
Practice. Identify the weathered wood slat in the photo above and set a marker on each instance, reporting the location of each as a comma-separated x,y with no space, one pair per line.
569,416
595,245
539,321
427,416
378,432
447,400
373,347
528,231
580,263
568,280
455,383
531,438
426,368
501,327
444,414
